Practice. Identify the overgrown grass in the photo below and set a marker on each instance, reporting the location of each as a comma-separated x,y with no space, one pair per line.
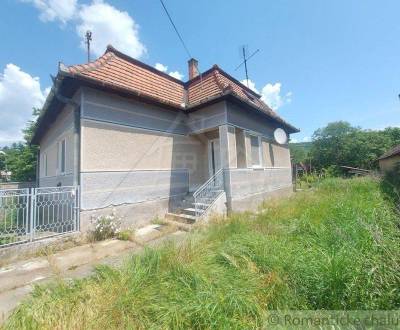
335,247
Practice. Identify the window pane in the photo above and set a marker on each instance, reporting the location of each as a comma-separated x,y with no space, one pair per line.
255,150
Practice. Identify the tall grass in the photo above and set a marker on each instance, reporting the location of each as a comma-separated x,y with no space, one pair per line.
336,247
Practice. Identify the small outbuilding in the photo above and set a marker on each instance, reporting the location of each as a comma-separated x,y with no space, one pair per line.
389,159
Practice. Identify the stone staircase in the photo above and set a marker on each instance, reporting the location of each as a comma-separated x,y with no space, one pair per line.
194,205
186,213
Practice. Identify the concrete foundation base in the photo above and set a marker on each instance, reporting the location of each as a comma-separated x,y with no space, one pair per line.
219,208
251,202
133,215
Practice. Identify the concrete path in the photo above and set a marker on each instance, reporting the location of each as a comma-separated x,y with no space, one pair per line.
18,279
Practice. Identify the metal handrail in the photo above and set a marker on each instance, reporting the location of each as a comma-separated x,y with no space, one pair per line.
208,192
202,187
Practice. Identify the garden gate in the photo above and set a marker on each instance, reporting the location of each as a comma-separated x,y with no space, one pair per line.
30,214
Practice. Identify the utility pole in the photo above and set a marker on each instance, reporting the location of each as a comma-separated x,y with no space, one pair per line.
245,66
245,59
88,40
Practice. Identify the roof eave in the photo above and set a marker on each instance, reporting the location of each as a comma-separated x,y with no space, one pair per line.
125,91
45,109
230,95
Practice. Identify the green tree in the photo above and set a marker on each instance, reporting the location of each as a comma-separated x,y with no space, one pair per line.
2,161
21,158
300,151
328,144
340,144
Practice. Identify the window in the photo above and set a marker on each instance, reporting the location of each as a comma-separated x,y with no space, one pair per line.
255,151
61,156
45,164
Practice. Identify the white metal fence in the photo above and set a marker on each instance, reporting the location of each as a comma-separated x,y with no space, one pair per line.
31,214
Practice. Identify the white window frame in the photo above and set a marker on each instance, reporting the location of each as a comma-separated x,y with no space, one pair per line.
259,165
60,165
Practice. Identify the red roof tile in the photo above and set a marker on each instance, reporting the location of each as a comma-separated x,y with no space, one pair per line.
119,70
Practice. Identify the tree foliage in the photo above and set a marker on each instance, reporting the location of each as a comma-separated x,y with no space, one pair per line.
340,144
21,158
300,151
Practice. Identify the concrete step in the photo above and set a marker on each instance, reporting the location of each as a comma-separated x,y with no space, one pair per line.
201,205
180,225
184,218
189,210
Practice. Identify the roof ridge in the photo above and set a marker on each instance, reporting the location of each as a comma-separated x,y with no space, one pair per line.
220,83
91,66
116,52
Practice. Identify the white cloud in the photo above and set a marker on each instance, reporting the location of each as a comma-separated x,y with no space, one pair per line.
164,68
161,67
270,94
304,139
109,26
52,10
250,84
19,93
176,75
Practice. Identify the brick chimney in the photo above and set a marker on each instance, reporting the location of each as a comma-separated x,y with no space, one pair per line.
193,70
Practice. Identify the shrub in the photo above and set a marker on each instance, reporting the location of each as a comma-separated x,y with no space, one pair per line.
105,227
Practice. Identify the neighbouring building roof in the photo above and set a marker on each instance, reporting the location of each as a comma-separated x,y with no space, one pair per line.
119,72
392,152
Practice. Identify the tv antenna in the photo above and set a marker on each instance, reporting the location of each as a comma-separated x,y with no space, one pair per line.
245,60
88,37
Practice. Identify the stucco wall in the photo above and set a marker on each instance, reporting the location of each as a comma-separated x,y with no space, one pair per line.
208,117
389,163
249,120
125,162
62,128
109,108
110,147
245,182
280,155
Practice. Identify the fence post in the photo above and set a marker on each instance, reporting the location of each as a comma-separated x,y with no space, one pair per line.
33,212
27,211
77,209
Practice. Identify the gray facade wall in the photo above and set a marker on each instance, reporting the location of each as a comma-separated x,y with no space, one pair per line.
249,120
249,187
134,154
247,182
104,107
207,118
141,158
62,128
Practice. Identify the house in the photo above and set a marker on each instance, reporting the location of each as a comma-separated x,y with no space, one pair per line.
389,159
138,140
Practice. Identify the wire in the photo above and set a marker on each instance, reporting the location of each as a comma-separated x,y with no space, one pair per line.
175,28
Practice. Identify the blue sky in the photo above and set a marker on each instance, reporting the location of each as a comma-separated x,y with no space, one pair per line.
319,61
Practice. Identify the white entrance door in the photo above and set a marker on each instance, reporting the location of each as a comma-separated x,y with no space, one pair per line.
214,157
